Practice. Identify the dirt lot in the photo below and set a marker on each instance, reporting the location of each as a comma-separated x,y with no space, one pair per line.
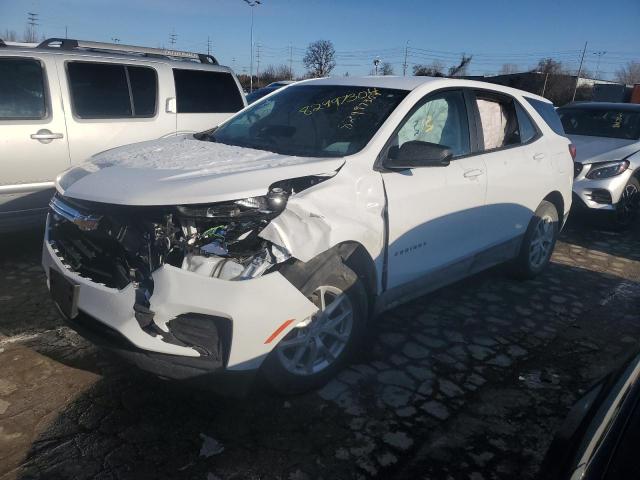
468,382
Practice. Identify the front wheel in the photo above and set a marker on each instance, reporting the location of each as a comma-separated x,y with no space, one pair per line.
318,347
627,207
538,243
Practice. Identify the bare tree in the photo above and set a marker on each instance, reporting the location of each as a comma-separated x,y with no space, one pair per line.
461,69
435,69
273,73
629,74
508,68
10,35
319,59
386,69
550,66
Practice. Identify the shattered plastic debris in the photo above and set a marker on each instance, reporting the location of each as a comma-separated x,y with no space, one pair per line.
210,446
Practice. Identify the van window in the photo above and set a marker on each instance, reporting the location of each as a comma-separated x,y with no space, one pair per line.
200,91
498,120
21,89
108,90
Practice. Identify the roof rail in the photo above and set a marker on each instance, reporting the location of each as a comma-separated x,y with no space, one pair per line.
69,44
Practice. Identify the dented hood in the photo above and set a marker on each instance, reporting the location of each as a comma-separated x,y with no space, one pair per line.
183,170
602,149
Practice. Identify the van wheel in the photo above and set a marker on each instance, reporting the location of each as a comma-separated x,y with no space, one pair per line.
318,347
538,243
627,207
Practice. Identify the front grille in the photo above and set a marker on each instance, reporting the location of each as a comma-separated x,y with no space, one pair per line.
577,168
89,254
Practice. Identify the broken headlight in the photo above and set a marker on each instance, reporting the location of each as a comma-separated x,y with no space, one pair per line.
270,204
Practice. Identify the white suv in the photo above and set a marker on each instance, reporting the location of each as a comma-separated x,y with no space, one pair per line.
65,100
268,243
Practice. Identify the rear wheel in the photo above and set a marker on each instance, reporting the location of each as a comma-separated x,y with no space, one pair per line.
318,347
539,242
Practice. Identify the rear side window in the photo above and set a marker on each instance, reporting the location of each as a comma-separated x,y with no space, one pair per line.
108,90
548,114
498,119
21,89
527,130
200,91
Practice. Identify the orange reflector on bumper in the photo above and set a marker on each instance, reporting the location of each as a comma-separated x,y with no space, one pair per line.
278,331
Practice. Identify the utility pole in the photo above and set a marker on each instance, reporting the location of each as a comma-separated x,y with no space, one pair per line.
173,36
258,62
252,4
579,72
208,45
376,62
32,22
290,61
66,32
404,65
599,54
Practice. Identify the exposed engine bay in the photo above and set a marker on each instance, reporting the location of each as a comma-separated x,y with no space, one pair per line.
116,245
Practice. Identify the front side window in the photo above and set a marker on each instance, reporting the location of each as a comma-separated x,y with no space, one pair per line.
601,122
21,89
498,120
312,120
200,91
441,120
109,90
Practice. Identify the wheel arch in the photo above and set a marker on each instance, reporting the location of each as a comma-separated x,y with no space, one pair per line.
557,200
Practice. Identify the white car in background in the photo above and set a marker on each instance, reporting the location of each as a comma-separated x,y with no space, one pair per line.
267,244
63,100
607,168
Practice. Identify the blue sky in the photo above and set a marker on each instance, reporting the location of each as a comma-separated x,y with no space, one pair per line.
494,31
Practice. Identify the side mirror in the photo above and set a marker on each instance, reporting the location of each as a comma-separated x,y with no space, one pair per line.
418,154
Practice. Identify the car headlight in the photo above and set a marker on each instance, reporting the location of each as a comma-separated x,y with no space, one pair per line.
270,204
599,171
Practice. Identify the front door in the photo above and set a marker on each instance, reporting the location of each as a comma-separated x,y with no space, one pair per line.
433,212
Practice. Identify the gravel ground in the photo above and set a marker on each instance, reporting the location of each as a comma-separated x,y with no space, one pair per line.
469,382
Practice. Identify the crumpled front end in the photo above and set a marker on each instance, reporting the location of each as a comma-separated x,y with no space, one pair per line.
186,282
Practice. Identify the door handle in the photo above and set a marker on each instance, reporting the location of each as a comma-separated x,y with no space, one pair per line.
45,136
476,172
538,156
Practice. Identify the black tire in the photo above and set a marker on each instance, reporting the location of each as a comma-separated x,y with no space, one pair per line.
331,272
523,267
626,212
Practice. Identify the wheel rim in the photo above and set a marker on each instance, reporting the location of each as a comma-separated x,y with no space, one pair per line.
541,242
315,344
628,205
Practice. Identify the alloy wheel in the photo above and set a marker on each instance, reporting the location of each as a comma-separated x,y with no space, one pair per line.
316,343
541,242
627,207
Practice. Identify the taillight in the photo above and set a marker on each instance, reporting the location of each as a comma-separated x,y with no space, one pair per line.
572,150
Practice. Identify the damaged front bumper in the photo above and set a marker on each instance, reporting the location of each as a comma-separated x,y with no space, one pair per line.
204,324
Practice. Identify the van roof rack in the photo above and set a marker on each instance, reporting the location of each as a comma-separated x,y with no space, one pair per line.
70,44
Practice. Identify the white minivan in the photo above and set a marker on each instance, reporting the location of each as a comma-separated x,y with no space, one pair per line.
266,244
65,100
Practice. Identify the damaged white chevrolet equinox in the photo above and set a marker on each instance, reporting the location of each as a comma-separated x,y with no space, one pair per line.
266,244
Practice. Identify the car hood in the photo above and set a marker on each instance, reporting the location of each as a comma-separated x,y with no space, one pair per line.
184,170
602,149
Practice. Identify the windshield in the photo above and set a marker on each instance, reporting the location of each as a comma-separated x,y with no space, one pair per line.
599,122
312,120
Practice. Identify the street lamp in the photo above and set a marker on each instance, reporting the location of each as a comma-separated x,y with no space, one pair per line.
252,4
599,54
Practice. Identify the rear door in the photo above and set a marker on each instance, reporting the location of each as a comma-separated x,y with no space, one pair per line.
33,137
205,98
113,104
517,165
